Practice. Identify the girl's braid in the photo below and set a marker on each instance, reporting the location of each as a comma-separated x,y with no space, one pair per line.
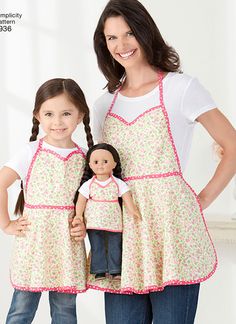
89,137
19,208
35,130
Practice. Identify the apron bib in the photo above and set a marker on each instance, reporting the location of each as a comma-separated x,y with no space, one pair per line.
47,258
171,245
102,210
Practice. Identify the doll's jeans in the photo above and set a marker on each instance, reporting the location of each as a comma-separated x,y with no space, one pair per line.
25,303
105,251
173,305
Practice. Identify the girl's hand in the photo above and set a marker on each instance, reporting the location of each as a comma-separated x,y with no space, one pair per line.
77,230
17,227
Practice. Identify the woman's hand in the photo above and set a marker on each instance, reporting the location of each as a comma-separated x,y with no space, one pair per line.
17,227
77,229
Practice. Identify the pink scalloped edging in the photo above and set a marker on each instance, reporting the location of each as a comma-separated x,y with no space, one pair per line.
104,229
174,173
160,78
113,201
149,289
136,119
101,186
69,290
61,157
79,150
177,159
49,207
168,122
203,218
32,163
151,176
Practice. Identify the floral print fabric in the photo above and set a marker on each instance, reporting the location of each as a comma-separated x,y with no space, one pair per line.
102,210
47,258
171,244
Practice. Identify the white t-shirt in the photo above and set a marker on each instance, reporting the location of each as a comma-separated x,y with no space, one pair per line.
185,100
123,187
20,163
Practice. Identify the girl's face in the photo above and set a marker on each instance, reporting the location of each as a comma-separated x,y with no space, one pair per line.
102,162
122,43
59,118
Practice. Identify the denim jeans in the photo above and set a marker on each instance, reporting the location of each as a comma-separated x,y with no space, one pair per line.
105,251
25,303
173,305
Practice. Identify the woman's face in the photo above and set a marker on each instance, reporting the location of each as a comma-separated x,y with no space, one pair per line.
122,43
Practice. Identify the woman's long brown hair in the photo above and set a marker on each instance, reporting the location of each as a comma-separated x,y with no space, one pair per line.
157,52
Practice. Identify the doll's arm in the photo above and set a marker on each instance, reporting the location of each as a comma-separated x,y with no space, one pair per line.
80,207
78,230
131,207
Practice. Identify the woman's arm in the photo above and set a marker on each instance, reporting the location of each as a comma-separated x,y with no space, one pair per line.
224,134
11,227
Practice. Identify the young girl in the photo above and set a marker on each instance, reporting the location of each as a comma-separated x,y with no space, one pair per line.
45,257
98,200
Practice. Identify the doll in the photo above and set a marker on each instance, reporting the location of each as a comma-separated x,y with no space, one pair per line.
98,202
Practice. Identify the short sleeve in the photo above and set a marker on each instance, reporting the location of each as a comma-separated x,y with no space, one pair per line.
196,100
123,187
100,109
84,189
20,162
96,126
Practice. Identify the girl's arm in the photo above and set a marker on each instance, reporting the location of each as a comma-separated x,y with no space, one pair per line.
129,204
11,227
224,134
78,230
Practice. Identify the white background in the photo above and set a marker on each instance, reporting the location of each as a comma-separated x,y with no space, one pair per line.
55,39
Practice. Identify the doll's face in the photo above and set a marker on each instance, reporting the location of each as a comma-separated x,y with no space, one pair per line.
102,162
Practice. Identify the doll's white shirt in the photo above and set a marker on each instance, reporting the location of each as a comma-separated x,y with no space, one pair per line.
185,100
21,161
123,187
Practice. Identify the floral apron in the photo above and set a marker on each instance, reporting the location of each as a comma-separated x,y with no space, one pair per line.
47,258
103,211
171,245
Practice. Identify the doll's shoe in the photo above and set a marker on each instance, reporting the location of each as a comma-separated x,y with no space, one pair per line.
100,276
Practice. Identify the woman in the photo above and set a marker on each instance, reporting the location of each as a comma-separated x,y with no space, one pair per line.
148,115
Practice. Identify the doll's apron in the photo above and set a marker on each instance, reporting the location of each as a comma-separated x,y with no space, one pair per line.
102,210
47,258
171,245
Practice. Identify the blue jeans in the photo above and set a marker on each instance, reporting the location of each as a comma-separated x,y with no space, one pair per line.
173,305
25,303
105,251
